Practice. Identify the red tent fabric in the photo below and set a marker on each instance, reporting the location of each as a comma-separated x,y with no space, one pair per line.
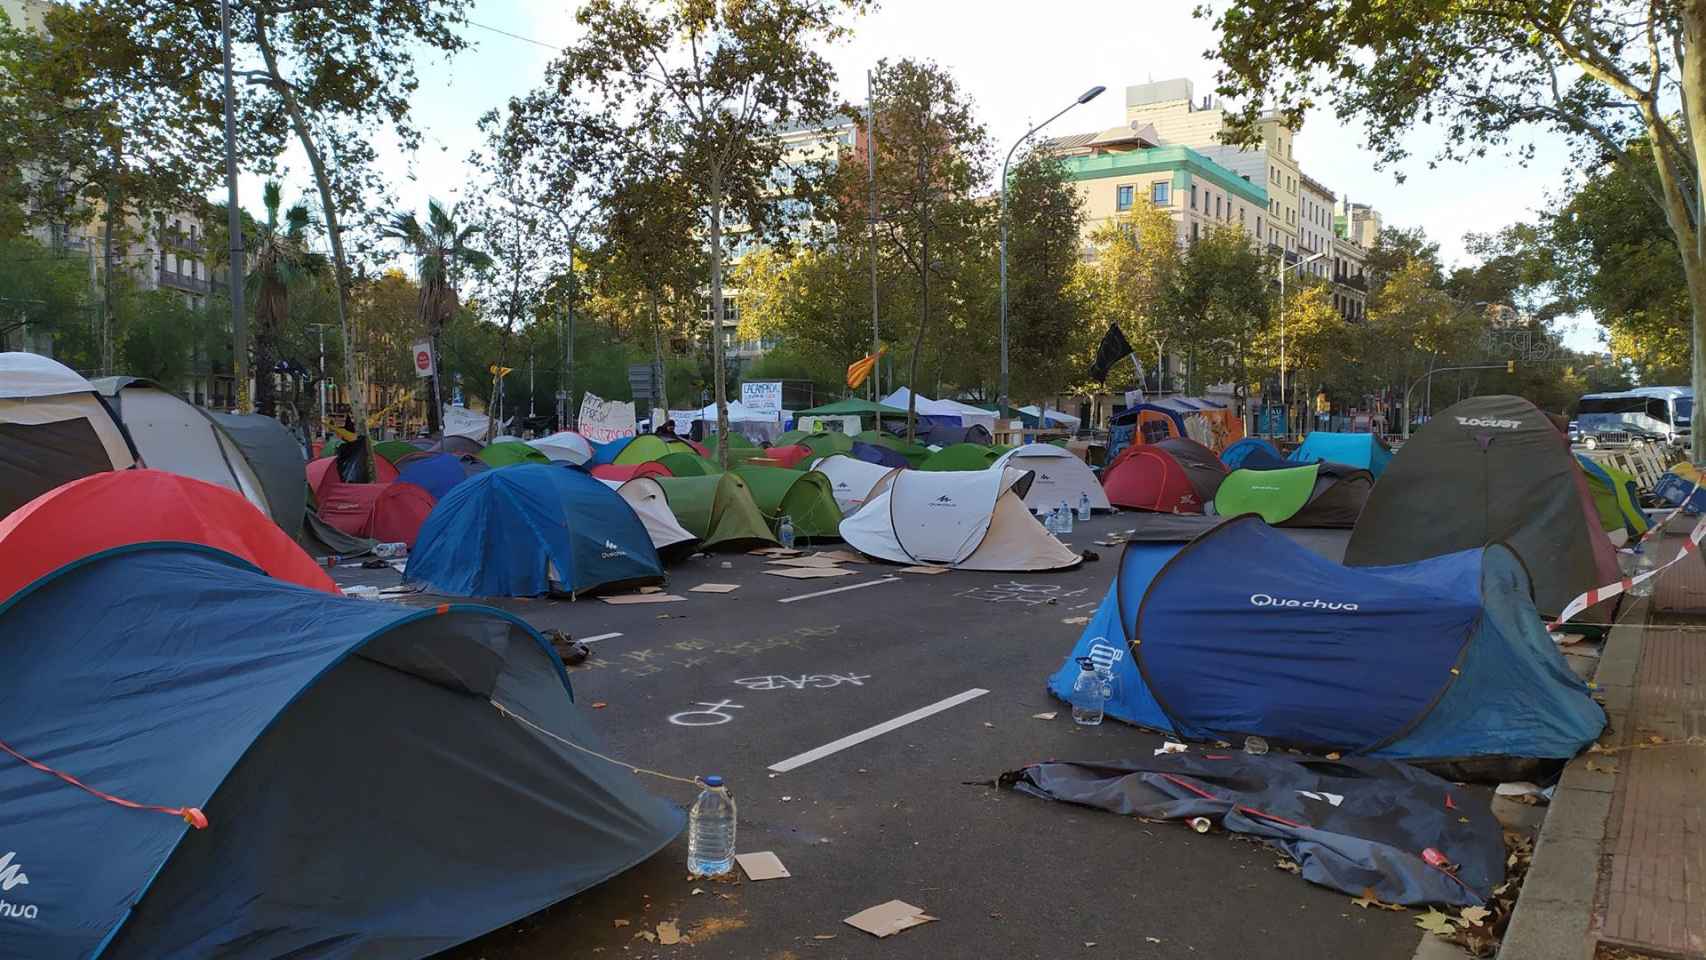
628,471
789,456
320,471
114,509
387,512
698,447
1147,478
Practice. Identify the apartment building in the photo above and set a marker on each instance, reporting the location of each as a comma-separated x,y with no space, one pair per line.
1357,222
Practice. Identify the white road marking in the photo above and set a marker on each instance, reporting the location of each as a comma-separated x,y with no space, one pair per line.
1084,606
825,593
854,739
602,636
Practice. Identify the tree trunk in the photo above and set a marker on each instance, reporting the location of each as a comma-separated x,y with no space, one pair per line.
718,374
340,265
657,356
429,324
923,320
266,396
110,216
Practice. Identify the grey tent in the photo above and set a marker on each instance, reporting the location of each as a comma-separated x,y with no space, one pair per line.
277,459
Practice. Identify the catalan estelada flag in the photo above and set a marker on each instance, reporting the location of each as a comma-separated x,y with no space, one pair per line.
861,368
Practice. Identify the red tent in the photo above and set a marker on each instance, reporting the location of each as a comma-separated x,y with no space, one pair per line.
113,509
789,456
386,510
628,471
1145,477
321,470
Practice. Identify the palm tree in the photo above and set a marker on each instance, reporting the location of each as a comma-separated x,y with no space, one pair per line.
281,261
442,250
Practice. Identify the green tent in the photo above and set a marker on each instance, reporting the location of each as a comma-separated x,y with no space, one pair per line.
393,450
824,444
852,406
1313,495
690,464
1615,497
646,447
737,441
915,452
718,509
506,453
962,456
333,442
791,437
807,499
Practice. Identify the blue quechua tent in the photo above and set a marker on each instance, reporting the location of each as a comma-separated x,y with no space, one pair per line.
532,529
369,786
439,472
1363,450
1244,632
1253,453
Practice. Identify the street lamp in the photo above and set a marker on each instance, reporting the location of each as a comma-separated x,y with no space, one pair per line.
1085,97
1283,268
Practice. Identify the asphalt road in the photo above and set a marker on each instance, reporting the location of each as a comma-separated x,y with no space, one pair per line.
1008,876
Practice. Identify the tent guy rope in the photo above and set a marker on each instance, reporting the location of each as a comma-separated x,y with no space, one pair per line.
518,718
190,815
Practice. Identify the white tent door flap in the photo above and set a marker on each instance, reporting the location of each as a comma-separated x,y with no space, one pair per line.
943,520
1059,476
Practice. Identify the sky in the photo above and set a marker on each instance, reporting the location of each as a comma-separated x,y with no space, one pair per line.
1019,63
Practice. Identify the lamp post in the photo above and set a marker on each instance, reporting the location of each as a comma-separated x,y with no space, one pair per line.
234,224
1284,269
1085,97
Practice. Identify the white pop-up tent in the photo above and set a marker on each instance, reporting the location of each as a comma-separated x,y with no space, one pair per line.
566,446
969,415
646,497
176,436
853,481
1060,477
53,429
972,519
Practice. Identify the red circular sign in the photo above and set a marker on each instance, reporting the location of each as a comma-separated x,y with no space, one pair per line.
423,360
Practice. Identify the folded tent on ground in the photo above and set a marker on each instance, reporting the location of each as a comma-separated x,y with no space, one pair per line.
1058,477
1316,494
1489,470
975,520
1443,660
358,730
718,509
54,428
806,498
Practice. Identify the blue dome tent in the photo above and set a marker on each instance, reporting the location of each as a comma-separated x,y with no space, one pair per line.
1253,453
1363,450
363,793
439,472
532,529
882,456
1244,632
606,453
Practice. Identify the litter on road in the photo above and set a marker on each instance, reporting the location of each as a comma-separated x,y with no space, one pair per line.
810,573
630,598
761,866
887,919
715,588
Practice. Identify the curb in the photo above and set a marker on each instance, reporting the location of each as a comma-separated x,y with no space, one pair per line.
1554,915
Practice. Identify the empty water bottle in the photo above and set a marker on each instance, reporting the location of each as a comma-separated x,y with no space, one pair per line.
1065,518
1643,564
785,532
391,551
1090,693
1083,506
711,831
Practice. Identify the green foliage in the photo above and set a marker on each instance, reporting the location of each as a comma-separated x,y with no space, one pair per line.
281,263
47,292
1129,282
164,339
1220,300
1045,216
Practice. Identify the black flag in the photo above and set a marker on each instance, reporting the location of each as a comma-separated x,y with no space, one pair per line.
1114,348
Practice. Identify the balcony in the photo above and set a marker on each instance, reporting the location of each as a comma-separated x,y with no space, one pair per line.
180,241
1354,281
173,280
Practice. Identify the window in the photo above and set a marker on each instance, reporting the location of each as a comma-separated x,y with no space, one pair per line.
1193,196
1240,214
1160,193
1273,174
1258,226
1196,231
1217,206
1122,196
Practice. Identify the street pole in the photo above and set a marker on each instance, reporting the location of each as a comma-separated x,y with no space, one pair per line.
234,223
1085,97
320,329
871,178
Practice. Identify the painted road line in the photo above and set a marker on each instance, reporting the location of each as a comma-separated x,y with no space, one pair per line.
825,593
854,739
602,636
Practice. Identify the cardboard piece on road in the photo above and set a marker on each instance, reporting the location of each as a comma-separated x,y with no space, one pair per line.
669,933
844,556
886,919
651,589
643,598
925,568
775,552
762,866
810,573
715,588
816,560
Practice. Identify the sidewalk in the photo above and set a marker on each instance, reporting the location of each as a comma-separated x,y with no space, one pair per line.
1620,865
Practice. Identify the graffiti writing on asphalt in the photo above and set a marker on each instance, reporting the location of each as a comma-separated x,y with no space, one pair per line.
711,716
814,681
1026,593
694,652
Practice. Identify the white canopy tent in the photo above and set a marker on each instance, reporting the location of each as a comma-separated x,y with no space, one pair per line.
969,415
647,499
1051,416
1060,476
53,429
851,480
972,519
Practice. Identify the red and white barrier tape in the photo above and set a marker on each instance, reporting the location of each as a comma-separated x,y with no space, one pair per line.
1586,600
1653,528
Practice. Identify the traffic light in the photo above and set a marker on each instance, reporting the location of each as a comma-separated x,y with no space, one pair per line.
1510,366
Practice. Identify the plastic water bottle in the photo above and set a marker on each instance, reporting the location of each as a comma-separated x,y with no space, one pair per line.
711,831
785,532
1083,506
391,551
1643,564
1052,524
1065,518
1089,694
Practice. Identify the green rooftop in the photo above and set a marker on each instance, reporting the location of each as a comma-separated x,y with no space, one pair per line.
1159,159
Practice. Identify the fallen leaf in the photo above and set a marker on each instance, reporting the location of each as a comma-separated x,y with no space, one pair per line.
1289,866
1475,915
620,923
668,933
1655,739
1368,899
1436,923
1332,756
